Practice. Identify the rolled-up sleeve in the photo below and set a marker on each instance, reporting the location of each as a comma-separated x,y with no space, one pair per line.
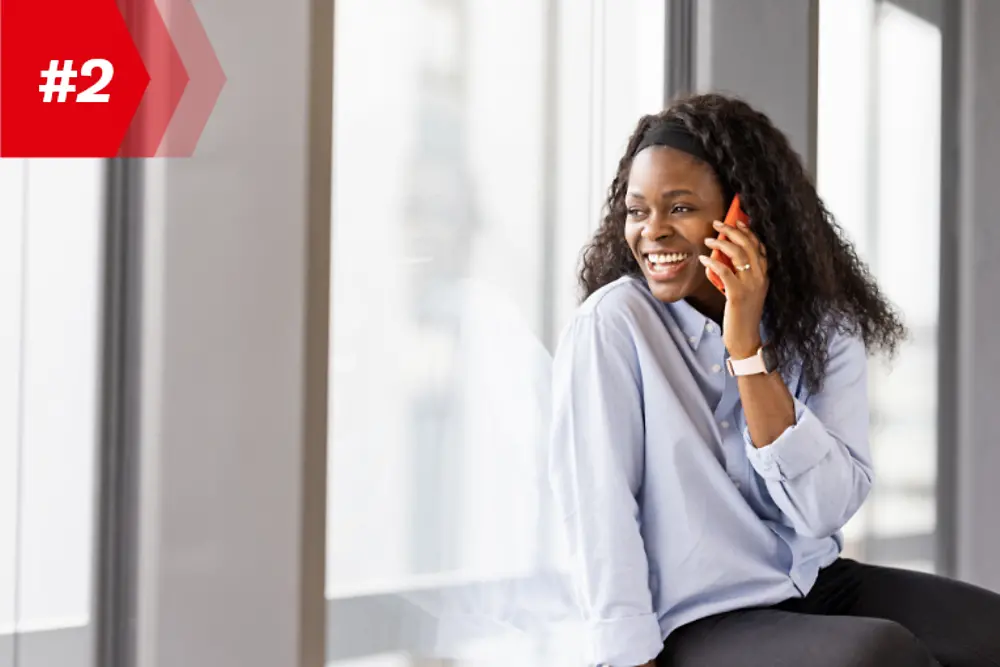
819,470
596,468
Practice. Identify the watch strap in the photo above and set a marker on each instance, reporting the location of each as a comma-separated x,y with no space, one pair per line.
755,365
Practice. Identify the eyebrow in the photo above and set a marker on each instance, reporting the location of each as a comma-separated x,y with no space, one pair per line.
669,194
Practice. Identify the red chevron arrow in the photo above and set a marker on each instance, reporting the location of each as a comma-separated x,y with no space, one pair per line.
206,83
168,78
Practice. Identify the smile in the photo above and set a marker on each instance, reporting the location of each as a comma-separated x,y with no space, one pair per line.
664,266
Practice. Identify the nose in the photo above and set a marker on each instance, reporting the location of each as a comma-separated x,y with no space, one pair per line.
657,227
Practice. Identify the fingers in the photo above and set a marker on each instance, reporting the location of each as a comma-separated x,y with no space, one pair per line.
729,248
756,241
727,276
743,229
746,240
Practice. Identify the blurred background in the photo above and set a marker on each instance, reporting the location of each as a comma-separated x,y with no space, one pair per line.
285,402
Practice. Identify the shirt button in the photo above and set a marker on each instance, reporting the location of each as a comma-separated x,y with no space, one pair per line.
710,327
724,424
693,339
716,368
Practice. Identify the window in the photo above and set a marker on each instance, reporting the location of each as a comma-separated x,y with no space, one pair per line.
879,160
50,224
474,144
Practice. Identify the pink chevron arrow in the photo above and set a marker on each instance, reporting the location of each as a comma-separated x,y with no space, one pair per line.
207,79
168,78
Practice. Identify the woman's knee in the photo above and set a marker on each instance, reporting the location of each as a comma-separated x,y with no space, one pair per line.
881,643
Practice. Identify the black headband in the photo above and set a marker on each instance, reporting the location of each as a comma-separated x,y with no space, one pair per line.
675,135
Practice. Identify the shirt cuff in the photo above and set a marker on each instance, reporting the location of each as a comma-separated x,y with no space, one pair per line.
625,642
796,451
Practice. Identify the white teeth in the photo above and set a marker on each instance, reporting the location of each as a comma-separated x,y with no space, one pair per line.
670,258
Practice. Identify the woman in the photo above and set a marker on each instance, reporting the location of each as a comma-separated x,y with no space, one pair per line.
708,448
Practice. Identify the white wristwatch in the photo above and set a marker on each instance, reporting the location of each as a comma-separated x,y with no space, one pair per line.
765,361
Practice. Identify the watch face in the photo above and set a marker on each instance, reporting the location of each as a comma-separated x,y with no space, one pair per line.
770,357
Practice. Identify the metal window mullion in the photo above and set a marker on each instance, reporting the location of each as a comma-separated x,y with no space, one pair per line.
679,55
116,537
948,293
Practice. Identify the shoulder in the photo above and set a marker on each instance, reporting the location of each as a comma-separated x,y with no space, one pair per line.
845,367
843,343
610,319
846,351
617,303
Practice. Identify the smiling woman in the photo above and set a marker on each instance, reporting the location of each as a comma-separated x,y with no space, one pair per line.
666,229
705,510
816,275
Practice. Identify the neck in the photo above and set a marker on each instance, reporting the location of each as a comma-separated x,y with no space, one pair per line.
709,301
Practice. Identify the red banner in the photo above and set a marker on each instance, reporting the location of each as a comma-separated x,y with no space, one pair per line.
104,78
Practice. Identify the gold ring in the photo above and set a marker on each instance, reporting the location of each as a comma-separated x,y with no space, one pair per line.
743,268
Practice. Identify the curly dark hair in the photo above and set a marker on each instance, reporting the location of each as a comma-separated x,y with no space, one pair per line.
815,275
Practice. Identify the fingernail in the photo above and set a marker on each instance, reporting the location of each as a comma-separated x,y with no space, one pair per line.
703,259
717,223
742,224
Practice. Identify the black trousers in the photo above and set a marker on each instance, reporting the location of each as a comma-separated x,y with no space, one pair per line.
855,616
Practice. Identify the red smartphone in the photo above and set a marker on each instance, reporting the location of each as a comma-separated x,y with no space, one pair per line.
735,215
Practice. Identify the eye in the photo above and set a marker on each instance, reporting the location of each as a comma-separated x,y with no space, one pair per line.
635,212
681,209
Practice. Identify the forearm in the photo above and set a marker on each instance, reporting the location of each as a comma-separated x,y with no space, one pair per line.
814,461
815,478
767,405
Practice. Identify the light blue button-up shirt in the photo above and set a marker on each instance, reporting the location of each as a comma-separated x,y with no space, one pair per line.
672,514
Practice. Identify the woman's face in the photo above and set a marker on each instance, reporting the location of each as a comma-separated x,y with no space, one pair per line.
671,201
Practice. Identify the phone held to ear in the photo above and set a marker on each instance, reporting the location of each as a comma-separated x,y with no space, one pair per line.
735,215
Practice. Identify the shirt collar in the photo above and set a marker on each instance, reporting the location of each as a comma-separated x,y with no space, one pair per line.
688,318
691,322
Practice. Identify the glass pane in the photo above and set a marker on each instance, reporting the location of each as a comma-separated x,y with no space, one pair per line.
474,142
879,170
50,295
